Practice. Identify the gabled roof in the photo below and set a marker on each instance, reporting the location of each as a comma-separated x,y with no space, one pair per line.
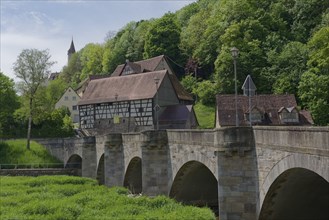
54,76
147,65
134,66
150,65
130,87
267,104
182,94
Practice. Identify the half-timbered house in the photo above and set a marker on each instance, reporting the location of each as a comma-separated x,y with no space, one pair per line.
128,102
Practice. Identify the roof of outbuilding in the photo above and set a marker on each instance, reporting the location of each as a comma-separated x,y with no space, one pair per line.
130,87
269,104
147,65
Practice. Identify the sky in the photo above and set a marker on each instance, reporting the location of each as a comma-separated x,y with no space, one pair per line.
41,24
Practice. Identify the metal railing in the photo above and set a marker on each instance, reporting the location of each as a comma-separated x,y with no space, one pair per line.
39,166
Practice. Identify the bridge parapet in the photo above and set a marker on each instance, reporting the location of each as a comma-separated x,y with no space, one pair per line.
309,140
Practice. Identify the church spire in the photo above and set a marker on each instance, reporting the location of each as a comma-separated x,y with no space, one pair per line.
71,50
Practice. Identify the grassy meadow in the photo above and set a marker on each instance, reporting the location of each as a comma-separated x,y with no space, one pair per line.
205,115
15,152
68,197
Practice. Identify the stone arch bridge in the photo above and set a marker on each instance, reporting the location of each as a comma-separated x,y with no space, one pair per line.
241,173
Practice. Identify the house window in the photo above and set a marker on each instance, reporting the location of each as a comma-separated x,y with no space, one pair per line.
256,116
74,107
289,115
127,70
74,98
66,98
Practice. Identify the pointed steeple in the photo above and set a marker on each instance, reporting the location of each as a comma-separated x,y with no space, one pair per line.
71,50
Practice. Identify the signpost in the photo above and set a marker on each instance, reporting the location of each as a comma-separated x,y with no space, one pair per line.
249,89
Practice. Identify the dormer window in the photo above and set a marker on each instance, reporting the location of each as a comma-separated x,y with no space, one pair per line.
127,70
256,115
288,115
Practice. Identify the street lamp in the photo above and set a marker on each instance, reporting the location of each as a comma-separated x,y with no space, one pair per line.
156,107
235,53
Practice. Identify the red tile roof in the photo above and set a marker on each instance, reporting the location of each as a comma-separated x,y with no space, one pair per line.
150,65
130,87
147,65
269,105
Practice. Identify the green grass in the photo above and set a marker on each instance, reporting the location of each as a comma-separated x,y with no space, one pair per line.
67,197
15,152
205,115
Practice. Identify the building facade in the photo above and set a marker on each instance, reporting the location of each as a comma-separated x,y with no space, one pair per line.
70,100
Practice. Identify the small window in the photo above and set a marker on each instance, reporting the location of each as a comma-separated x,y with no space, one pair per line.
256,116
66,98
74,98
141,109
289,115
74,107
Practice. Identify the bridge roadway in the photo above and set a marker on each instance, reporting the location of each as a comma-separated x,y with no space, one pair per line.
241,173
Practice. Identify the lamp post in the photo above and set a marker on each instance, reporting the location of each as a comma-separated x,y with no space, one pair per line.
156,80
235,53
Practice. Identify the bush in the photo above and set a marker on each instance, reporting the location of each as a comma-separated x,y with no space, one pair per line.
206,92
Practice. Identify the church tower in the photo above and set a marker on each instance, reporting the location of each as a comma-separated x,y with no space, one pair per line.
70,51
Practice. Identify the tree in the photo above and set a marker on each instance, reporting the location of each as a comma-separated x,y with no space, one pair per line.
288,67
116,49
91,60
32,67
9,103
313,91
72,72
163,37
313,88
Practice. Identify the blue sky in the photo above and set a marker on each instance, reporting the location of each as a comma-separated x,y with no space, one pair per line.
51,24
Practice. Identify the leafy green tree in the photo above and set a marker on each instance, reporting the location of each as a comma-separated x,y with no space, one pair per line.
313,88
288,67
116,48
307,15
72,72
189,83
314,93
184,14
32,67
247,36
163,37
91,60
319,51
57,123
136,47
206,92
9,103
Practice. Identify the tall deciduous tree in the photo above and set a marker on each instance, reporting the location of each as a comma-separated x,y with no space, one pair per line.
163,37
9,103
32,67
91,60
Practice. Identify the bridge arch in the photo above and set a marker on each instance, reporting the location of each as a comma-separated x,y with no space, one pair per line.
133,175
74,161
101,171
195,184
297,187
